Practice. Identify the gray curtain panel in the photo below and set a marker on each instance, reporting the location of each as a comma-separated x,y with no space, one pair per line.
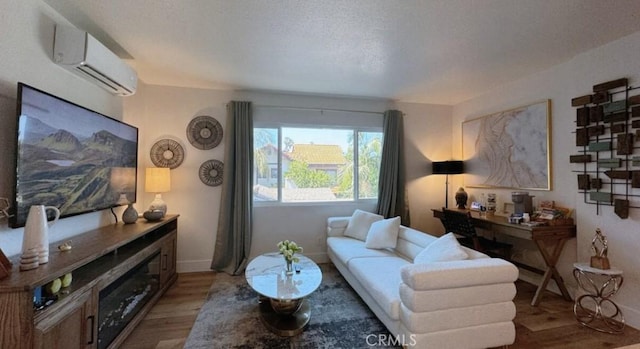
391,186
233,241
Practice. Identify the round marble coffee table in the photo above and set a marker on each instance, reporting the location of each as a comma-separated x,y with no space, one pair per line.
283,307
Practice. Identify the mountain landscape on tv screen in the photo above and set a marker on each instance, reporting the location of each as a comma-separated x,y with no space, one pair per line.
63,169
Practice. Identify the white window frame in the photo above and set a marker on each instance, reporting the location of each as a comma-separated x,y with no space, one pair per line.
285,117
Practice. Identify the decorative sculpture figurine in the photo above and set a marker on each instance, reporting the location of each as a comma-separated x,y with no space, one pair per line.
461,198
599,247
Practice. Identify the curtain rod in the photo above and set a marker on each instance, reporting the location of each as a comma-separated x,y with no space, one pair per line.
318,109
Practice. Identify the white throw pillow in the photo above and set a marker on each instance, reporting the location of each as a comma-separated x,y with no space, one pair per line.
360,223
445,248
383,234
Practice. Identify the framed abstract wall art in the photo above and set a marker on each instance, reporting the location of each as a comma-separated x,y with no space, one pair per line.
509,149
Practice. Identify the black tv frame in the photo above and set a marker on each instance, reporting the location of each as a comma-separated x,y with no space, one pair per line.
88,161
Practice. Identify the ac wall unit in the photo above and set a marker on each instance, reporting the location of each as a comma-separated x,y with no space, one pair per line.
81,53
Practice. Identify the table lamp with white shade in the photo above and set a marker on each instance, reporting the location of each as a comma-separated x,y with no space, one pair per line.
158,180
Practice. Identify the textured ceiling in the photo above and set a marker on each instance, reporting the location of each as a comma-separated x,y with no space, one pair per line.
438,51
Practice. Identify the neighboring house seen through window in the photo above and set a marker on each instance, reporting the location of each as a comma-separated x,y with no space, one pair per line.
305,163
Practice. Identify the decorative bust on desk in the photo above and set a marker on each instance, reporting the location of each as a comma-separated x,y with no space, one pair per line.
461,198
599,247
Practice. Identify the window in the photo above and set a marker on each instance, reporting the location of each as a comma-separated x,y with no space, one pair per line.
307,163
369,157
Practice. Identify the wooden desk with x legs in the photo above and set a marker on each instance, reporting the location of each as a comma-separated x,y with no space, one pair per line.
549,239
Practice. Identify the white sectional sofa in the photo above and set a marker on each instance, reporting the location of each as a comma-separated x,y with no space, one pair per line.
461,303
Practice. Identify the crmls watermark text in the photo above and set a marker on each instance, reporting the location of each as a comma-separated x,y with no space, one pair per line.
389,340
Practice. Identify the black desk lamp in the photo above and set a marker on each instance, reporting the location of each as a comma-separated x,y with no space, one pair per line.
448,167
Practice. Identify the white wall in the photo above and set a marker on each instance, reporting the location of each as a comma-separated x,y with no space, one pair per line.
27,36
560,84
426,128
166,111
27,28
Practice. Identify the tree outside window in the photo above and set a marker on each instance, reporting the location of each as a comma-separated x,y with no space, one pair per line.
316,164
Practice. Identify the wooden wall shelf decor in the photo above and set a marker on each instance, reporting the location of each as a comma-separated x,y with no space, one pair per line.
607,127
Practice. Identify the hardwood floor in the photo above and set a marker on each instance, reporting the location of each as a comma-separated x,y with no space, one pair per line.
550,325
168,323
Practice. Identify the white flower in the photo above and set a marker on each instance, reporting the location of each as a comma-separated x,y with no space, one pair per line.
288,249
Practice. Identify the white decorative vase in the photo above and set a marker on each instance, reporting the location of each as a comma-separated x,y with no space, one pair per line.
36,231
158,205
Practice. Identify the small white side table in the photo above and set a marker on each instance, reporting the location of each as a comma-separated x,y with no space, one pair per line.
595,309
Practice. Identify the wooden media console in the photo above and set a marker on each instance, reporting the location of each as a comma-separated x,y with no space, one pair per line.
119,271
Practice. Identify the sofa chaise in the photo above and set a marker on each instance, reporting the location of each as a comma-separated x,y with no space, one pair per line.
429,292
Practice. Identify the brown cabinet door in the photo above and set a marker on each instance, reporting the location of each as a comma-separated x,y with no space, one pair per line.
168,259
72,326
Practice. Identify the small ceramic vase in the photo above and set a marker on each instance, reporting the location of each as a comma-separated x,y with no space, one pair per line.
130,215
36,231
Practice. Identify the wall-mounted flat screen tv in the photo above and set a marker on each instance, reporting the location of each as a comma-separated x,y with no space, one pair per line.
70,157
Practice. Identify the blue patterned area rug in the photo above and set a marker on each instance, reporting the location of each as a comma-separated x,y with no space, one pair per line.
229,318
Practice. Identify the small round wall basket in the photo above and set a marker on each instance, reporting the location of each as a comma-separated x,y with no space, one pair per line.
167,153
204,132
211,172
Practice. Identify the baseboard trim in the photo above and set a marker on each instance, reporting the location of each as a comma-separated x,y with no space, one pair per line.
319,257
193,266
535,279
631,316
